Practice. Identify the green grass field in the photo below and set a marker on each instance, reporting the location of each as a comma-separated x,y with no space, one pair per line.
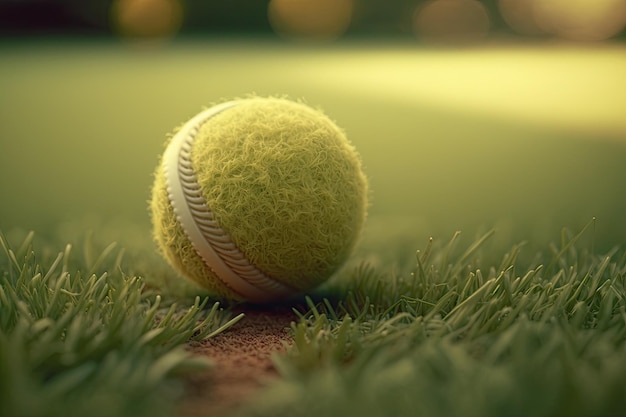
509,145
83,125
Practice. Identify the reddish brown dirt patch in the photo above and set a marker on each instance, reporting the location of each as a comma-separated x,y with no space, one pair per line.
242,357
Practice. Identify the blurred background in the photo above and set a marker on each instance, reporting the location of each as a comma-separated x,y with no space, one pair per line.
425,20
469,115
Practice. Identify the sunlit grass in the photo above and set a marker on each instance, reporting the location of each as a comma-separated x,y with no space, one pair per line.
572,88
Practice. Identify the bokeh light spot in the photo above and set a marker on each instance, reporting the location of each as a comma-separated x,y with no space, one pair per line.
146,18
581,20
310,19
520,16
451,21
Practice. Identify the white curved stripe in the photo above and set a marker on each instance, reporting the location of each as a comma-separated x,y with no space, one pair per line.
209,240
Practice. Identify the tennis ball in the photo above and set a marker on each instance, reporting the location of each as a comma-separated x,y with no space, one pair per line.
258,199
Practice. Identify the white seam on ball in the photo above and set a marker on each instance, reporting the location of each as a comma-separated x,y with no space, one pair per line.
208,239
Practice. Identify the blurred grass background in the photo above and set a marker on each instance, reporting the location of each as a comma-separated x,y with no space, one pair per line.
475,127
83,127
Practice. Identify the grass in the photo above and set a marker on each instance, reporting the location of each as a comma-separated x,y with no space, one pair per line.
83,338
435,156
456,336
464,330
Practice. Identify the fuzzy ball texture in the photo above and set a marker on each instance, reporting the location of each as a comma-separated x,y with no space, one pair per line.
282,181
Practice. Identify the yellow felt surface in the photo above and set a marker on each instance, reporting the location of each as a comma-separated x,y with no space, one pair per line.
282,182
